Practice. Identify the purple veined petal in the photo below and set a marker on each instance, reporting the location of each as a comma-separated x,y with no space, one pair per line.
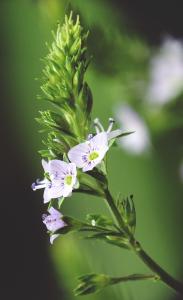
77,154
88,166
91,164
58,168
53,237
45,165
54,212
100,140
72,167
52,192
53,223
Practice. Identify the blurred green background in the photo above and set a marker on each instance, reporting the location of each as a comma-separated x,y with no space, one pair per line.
126,46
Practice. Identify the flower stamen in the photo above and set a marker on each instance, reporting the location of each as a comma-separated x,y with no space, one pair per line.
111,123
93,155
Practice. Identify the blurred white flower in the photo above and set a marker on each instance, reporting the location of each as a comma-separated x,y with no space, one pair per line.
139,141
166,72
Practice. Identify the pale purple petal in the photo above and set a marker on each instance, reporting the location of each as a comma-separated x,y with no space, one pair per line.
72,168
100,140
77,154
53,222
55,191
89,166
57,169
54,212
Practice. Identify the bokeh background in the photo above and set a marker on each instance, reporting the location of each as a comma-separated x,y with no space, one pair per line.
136,76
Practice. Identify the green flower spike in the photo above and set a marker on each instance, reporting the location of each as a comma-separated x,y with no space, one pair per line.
64,87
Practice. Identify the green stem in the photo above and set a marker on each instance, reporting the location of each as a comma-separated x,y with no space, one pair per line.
133,277
162,274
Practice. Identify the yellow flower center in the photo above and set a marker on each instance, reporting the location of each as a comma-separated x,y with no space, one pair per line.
93,155
68,179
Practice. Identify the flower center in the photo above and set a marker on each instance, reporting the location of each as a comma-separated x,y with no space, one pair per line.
93,155
68,179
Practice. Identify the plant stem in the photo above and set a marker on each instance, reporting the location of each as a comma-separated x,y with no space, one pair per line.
161,273
134,277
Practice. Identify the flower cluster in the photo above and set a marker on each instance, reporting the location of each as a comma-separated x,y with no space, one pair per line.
60,177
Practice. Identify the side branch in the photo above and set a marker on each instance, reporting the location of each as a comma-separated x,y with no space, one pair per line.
160,272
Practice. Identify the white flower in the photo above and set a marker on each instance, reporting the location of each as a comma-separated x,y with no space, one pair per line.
60,182
166,73
139,141
89,154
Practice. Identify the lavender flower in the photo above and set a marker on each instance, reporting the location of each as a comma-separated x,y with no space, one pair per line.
53,222
59,181
90,153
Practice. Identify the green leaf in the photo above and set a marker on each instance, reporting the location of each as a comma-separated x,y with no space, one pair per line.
90,184
118,241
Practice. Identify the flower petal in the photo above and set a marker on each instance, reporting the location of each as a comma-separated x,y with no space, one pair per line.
54,212
88,166
58,168
100,140
76,154
52,192
67,191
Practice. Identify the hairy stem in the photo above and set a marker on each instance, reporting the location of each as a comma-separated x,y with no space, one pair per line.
160,272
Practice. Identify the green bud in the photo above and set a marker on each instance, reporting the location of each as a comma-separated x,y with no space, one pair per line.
126,208
91,283
62,85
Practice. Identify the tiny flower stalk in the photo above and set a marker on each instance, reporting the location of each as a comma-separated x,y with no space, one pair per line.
75,155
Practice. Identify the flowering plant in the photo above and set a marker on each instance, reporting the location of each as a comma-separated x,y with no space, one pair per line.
75,156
